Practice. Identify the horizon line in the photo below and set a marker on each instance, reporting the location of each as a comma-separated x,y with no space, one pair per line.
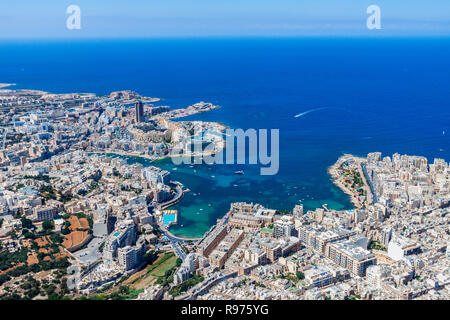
181,37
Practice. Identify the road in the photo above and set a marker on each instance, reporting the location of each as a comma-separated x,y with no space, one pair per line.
366,186
369,182
175,199
91,252
180,252
175,243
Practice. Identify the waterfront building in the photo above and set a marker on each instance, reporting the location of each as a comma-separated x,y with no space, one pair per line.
211,240
161,193
245,221
298,210
156,175
249,216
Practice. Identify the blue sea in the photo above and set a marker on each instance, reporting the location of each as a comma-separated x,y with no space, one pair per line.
363,94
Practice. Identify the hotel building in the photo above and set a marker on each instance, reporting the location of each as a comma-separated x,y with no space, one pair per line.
139,112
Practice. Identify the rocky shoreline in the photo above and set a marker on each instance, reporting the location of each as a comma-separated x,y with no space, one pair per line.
4,85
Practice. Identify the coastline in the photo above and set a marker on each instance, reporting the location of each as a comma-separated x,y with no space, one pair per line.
337,181
175,114
126,154
165,229
4,85
182,238
331,170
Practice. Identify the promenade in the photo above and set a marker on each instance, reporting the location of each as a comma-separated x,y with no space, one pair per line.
178,197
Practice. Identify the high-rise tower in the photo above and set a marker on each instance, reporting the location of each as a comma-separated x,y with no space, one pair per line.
139,112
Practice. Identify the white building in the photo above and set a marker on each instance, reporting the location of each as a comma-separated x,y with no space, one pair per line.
399,247
318,276
376,274
156,175
126,257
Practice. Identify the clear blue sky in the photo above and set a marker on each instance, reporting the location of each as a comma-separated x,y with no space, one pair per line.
169,18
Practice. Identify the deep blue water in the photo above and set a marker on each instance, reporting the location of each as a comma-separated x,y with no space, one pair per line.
389,95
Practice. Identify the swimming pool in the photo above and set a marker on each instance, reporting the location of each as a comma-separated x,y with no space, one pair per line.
169,218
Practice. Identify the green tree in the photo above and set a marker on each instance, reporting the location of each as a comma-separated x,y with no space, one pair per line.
47,225
26,223
11,234
27,234
124,289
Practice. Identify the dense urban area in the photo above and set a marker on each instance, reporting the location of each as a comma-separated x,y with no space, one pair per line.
78,222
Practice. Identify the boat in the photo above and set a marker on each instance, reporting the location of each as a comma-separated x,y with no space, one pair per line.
239,172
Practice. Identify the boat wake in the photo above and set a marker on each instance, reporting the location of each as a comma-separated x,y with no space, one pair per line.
313,110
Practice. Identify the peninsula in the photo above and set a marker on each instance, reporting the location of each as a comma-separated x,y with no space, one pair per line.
78,223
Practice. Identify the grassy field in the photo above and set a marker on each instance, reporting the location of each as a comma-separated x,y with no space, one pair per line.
163,267
150,274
